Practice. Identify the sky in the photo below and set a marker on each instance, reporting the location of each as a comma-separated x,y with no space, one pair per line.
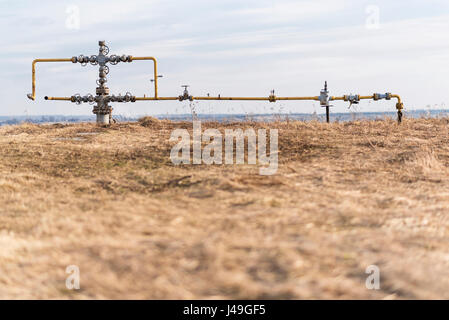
229,47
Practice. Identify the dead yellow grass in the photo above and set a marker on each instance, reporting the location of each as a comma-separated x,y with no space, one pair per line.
346,196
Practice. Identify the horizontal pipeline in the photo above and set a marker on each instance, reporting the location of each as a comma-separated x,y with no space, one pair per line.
255,98
237,98
399,105
155,99
58,98
202,98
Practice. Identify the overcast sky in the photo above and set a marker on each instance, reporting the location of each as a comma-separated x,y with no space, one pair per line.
231,47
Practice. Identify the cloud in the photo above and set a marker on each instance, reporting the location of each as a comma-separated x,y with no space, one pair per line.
291,10
233,47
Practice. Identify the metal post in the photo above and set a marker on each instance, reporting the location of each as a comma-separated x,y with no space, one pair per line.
399,116
327,114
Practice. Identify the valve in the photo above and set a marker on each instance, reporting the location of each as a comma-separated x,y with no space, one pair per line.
76,99
324,96
81,59
272,97
324,101
185,95
113,59
93,60
353,99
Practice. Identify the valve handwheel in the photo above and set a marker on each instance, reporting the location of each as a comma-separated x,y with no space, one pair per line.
105,50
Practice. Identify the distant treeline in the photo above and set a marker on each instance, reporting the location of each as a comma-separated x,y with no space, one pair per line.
4,120
349,116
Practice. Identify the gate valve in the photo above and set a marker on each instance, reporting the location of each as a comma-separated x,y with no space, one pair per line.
272,97
353,99
324,96
185,95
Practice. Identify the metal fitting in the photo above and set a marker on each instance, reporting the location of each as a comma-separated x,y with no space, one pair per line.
324,96
93,60
353,99
272,97
102,91
76,99
82,59
380,96
185,95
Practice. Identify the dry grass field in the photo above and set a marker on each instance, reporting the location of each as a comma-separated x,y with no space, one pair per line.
109,200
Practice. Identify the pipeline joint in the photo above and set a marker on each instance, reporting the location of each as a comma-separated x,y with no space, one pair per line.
353,99
272,97
380,96
324,96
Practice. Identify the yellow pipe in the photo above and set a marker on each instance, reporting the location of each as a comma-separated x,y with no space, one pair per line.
33,73
368,97
154,98
298,98
232,98
155,72
59,98
399,105
229,98
343,98
397,97
255,98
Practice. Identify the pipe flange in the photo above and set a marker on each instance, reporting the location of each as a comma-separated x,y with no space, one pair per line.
113,59
93,60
